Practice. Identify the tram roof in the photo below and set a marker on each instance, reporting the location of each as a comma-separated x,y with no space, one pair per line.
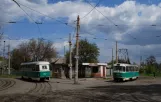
37,62
124,64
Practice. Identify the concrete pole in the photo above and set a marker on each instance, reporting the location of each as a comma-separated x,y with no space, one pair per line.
70,57
3,57
116,53
77,53
64,51
140,61
112,61
9,71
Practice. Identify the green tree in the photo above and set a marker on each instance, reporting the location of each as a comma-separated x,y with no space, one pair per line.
34,50
88,52
150,65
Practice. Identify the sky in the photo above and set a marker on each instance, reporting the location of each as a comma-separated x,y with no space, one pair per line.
135,24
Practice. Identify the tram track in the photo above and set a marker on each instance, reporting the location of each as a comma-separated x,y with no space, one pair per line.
90,98
40,88
6,84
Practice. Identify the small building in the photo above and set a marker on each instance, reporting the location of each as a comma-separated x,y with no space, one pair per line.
59,67
109,70
96,70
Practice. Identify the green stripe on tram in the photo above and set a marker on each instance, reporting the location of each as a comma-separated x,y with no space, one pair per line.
36,74
125,74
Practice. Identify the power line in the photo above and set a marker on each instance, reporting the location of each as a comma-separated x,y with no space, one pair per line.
95,38
45,14
99,1
107,18
28,16
101,13
153,25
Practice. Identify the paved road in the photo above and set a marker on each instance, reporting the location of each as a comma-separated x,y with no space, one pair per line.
145,89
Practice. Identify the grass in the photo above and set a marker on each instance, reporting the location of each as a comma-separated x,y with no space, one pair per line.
8,76
151,75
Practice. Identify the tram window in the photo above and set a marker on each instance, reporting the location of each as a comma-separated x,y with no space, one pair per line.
119,68
127,69
33,67
44,67
132,69
37,67
123,69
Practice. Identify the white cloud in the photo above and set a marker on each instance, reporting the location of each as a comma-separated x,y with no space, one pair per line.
134,20
60,45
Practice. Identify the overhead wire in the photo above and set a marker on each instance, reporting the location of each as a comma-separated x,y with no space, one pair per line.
99,1
28,16
125,25
101,13
95,38
94,7
19,4
107,18
45,14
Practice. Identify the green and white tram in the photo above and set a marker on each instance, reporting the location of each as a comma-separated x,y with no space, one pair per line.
123,72
36,70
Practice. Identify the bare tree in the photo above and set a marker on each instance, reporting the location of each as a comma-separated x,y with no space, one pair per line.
34,50
151,60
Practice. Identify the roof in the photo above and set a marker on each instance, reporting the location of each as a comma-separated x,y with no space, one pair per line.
37,62
124,64
95,64
58,60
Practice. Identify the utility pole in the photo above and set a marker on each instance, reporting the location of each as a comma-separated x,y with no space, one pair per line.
77,53
9,71
112,61
4,50
3,57
140,61
64,51
116,53
70,57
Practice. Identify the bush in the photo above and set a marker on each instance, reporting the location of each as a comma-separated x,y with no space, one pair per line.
141,70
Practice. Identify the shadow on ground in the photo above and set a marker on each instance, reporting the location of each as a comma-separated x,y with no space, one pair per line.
113,93
30,80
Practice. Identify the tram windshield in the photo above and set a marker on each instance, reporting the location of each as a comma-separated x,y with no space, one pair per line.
119,68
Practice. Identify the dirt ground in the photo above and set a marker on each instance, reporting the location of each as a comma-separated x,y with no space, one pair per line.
144,89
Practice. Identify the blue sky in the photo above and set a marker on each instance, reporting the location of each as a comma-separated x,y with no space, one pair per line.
27,29
127,13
